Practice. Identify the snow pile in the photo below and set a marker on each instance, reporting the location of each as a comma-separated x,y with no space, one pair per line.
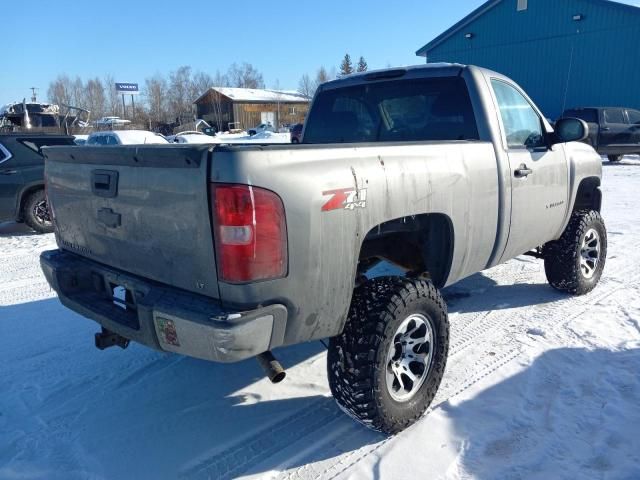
262,137
538,385
261,95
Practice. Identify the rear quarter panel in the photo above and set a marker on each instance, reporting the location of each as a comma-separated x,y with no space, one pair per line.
457,179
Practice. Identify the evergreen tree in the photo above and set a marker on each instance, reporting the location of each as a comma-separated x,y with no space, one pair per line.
346,67
362,65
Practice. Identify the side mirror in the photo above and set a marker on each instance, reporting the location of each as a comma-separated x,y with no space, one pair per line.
571,130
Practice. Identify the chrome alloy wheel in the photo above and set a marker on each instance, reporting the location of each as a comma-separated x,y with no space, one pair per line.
590,253
410,356
41,212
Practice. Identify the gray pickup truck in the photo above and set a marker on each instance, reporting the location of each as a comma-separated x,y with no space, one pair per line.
228,252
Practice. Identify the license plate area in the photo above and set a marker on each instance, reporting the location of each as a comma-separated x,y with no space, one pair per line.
122,297
116,297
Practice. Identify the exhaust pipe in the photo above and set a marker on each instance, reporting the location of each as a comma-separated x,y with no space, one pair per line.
271,367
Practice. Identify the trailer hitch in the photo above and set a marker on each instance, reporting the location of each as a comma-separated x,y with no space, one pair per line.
107,338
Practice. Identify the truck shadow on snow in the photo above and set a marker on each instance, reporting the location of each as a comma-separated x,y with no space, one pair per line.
15,229
165,415
480,293
138,413
572,410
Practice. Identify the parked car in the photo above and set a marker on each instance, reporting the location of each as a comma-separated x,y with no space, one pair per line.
263,127
296,132
194,138
613,131
80,139
125,137
22,195
110,122
228,253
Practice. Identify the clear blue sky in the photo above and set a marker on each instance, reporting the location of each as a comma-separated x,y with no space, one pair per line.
135,39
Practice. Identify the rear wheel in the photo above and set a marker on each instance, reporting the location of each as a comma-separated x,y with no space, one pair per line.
574,263
386,366
614,158
36,212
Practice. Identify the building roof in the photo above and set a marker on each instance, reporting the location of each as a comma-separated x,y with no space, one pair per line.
478,12
257,95
481,10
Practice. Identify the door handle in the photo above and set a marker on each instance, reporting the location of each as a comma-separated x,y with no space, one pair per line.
522,171
605,129
8,172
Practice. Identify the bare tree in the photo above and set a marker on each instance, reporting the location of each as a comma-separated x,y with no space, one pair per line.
59,91
200,83
221,80
77,93
112,103
155,95
94,98
322,75
217,101
306,86
245,76
180,91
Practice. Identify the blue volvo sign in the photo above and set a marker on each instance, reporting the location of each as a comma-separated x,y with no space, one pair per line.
127,88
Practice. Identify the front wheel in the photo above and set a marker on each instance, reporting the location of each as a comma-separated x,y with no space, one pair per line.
385,368
36,212
614,158
574,263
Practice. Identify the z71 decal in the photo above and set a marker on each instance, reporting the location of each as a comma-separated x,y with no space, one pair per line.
345,198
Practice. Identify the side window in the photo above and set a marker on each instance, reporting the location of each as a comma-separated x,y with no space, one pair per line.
111,140
522,124
614,115
4,154
95,140
634,117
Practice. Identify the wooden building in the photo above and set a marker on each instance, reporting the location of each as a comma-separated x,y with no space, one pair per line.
244,108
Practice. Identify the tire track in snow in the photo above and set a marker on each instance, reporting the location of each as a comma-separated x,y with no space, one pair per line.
331,470
333,467
319,415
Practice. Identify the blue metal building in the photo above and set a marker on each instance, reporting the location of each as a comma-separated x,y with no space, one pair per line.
564,53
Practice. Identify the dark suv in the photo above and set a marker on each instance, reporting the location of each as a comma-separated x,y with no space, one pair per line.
296,132
22,196
613,131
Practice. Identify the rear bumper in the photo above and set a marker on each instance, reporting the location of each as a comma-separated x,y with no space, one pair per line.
162,317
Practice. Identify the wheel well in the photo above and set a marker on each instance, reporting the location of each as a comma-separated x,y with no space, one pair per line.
589,195
23,198
420,244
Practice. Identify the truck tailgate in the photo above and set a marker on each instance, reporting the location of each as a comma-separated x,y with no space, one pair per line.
143,210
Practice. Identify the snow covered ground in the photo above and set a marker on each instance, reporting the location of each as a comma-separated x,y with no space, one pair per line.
538,385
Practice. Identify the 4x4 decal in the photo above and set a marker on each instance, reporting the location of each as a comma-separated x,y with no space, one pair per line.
345,198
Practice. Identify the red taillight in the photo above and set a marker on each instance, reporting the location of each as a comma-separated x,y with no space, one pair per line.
250,233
